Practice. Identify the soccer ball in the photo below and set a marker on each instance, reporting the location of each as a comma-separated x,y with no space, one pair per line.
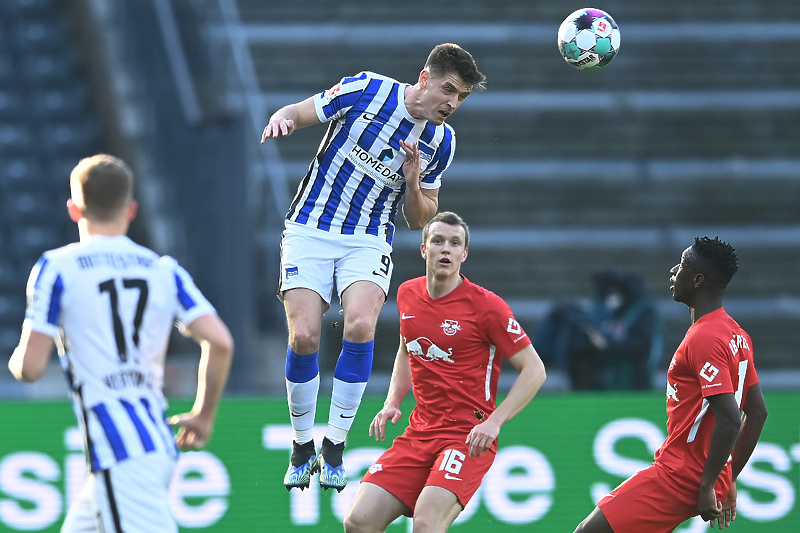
588,39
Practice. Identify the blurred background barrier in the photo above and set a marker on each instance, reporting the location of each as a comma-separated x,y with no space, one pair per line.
554,461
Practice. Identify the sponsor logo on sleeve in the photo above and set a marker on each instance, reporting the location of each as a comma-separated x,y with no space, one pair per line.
709,372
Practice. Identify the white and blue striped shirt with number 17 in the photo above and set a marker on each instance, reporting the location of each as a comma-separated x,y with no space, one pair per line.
355,182
111,306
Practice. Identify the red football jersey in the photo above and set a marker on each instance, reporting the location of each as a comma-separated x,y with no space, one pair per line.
455,344
715,357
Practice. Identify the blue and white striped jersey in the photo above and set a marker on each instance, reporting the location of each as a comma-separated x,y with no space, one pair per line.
111,305
355,182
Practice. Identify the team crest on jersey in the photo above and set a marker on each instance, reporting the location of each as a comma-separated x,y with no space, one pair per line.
450,327
333,90
425,152
479,415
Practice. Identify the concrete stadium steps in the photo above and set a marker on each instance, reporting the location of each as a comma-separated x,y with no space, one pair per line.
587,125
613,193
566,201
651,57
416,11
525,57
542,263
512,129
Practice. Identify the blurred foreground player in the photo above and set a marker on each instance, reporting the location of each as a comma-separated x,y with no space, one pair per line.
710,380
453,337
110,305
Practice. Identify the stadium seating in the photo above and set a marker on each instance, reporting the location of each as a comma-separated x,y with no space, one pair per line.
691,130
46,119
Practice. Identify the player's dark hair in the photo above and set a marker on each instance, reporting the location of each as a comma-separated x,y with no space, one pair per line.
718,259
446,217
101,186
450,58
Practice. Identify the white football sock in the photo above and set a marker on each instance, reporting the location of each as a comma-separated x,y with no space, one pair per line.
302,398
345,399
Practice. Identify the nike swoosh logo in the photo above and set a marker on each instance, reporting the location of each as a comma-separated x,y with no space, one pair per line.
448,476
380,274
343,416
406,317
370,117
299,414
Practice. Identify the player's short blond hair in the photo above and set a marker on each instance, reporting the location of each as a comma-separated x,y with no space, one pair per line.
101,186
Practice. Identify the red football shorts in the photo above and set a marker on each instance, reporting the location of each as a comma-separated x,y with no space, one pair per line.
409,465
649,501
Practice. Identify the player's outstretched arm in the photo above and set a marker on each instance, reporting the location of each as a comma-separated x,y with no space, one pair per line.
285,120
216,346
29,360
399,386
531,377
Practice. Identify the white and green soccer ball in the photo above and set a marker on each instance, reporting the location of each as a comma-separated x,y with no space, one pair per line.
588,39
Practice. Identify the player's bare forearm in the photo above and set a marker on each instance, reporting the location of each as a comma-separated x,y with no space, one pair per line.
727,422
215,362
530,380
755,416
29,361
531,377
284,121
400,383
420,206
212,376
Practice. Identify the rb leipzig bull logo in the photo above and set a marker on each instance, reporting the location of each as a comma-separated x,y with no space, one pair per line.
424,347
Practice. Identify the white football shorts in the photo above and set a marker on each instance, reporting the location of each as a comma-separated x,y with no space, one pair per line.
131,496
315,259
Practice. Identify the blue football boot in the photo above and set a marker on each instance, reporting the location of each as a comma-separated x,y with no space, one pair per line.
303,465
331,468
